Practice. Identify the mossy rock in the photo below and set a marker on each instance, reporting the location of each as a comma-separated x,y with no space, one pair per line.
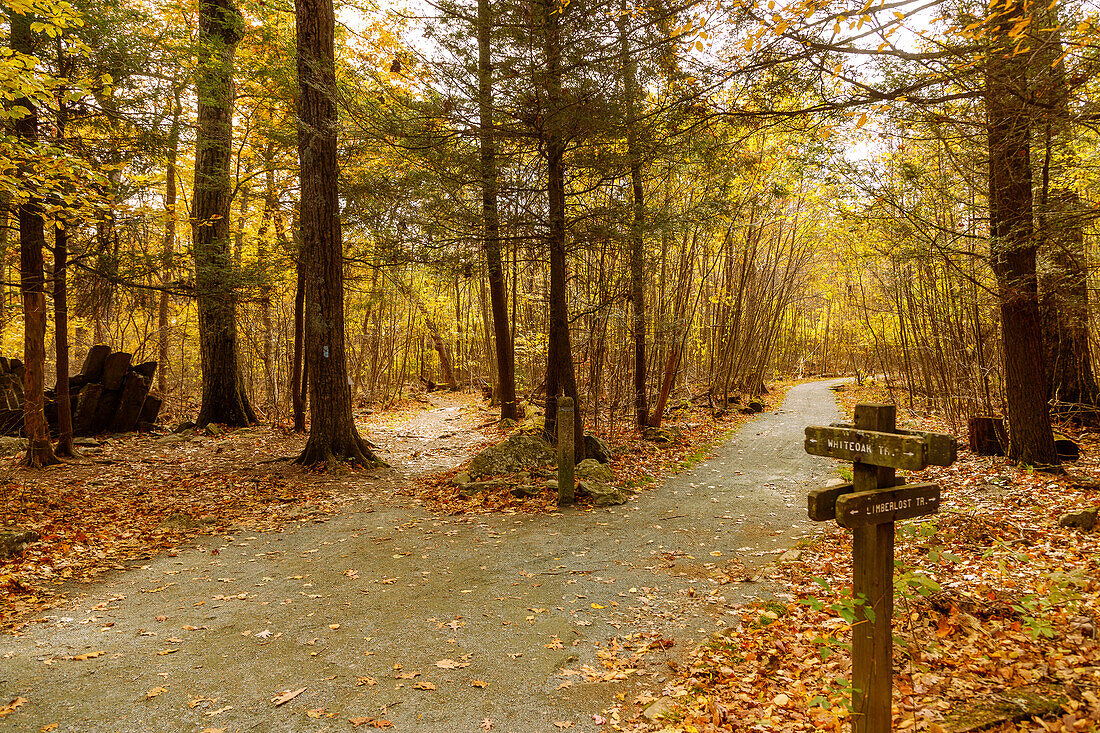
597,448
602,494
593,470
518,452
14,540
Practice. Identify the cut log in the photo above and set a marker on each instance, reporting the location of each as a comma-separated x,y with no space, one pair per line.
150,411
146,369
114,369
94,362
134,388
105,410
1068,449
86,405
11,422
984,436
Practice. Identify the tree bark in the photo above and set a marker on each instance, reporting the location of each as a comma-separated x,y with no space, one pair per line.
498,292
298,371
332,432
168,247
263,251
32,240
61,313
637,224
1062,262
1012,241
223,399
560,375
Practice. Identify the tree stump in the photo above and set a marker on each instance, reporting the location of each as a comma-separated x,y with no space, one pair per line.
985,435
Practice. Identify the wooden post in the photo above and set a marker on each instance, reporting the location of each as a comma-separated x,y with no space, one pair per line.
873,583
566,488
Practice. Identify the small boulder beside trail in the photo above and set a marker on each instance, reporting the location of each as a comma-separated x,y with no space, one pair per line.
517,452
1084,519
597,449
13,540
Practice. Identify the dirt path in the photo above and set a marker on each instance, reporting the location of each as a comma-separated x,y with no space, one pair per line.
493,614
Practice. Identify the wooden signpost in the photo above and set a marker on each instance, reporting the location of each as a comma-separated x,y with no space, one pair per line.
869,506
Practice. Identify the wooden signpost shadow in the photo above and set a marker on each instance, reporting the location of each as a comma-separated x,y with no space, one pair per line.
869,506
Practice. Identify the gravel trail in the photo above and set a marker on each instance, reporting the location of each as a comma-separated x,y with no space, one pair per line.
492,613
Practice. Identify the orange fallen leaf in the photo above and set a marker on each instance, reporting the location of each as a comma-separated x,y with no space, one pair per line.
424,685
154,692
87,655
287,696
364,681
479,683
8,709
48,728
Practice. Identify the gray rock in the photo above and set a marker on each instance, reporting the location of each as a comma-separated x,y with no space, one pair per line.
507,424
597,449
1084,519
524,491
172,438
593,470
9,446
86,443
461,479
12,541
476,487
602,494
658,709
790,556
178,522
516,453
213,430
552,483
184,426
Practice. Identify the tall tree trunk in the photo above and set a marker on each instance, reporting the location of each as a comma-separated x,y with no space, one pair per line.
298,369
637,223
560,375
60,299
32,240
168,247
1062,268
1012,240
498,292
223,398
263,251
332,432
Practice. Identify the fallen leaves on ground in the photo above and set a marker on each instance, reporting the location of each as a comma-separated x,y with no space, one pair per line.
994,600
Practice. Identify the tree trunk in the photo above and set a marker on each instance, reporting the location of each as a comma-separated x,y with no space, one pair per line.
637,223
223,399
1012,242
298,371
332,432
164,332
560,376
32,240
498,293
61,314
1062,268
262,253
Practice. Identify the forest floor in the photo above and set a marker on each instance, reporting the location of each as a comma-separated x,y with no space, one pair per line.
339,602
995,622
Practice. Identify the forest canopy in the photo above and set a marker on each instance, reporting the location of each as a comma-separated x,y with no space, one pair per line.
629,205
